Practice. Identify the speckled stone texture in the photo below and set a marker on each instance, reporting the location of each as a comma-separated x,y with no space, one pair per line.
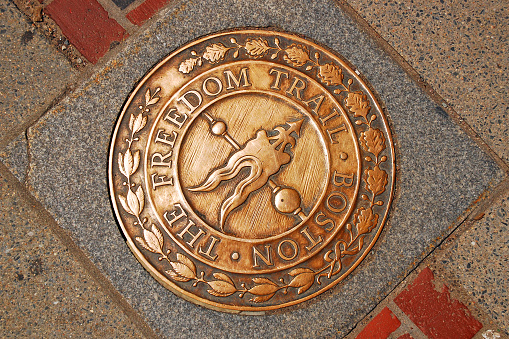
479,259
44,292
32,73
15,157
460,48
441,171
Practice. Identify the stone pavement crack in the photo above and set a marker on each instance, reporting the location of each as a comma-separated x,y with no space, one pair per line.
33,119
29,158
485,202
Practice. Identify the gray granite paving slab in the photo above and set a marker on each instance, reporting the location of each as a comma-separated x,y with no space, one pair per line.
441,171
44,292
15,157
32,72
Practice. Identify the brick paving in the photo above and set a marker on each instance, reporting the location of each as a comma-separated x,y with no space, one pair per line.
145,11
87,25
433,310
427,310
421,305
382,325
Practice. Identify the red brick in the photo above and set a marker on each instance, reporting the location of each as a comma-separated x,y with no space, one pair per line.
145,11
87,26
434,312
405,336
380,326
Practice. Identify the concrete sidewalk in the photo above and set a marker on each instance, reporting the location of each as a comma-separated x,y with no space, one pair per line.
440,268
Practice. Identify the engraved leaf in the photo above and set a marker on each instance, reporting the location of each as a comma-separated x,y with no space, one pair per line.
141,197
128,162
139,123
223,277
261,299
365,220
136,161
188,65
376,180
257,47
183,270
215,52
331,74
264,289
147,96
297,55
158,235
263,281
221,288
143,244
152,241
123,202
177,277
121,164
153,101
373,141
133,203
297,271
186,261
131,122
358,103
303,280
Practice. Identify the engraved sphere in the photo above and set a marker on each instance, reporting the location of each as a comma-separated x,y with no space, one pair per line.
219,128
287,200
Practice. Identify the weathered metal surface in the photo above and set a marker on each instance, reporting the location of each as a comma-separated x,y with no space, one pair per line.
251,170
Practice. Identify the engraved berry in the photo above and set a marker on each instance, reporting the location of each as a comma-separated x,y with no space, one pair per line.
219,128
287,200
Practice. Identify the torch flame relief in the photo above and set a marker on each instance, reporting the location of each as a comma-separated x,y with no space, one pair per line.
264,155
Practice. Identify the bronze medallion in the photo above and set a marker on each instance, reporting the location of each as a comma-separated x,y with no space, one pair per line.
251,170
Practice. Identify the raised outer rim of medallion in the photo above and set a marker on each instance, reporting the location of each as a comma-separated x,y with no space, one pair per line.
252,310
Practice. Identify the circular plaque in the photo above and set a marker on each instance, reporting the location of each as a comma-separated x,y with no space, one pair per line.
251,170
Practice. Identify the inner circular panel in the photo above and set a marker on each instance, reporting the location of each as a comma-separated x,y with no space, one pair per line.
203,153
